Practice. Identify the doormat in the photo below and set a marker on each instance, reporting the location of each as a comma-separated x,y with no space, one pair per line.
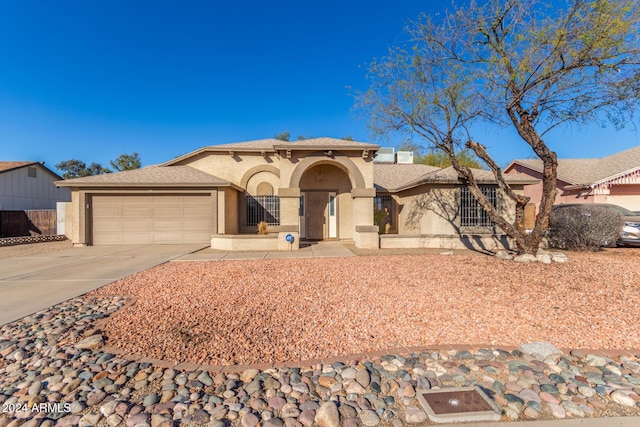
459,404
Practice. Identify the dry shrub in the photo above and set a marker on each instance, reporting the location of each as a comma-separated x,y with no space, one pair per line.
584,228
263,228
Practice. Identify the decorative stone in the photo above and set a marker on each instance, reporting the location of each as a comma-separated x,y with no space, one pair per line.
557,411
531,413
504,255
526,258
559,257
306,417
355,387
415,415
544,258
249,420
349,373
327,415
623,399
595,360
363,378
369,418
541,350
248,375
90,343
586,391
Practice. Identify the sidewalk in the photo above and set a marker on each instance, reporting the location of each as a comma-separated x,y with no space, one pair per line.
307,250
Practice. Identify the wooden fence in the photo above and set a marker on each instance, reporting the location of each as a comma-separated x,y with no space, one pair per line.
28,223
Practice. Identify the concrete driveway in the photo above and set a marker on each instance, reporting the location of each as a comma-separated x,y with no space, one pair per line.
32,283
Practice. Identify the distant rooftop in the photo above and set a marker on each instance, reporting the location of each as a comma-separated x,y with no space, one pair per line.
588,172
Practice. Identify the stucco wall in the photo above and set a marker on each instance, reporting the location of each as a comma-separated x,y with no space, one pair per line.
564,195
434,210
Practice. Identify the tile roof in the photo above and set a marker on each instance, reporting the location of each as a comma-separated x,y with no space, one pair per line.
586,172
7,166
326,142
573,171
271,144
394,177
259,144
149,176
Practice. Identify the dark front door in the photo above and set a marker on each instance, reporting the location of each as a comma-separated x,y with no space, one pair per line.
316,214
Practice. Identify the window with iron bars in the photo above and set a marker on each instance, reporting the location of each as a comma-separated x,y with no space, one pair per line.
471,213
384,214
263,208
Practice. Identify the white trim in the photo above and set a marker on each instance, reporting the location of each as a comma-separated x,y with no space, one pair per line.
332,207
630,176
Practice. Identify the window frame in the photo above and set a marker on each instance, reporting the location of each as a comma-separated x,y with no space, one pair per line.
471,214
262,208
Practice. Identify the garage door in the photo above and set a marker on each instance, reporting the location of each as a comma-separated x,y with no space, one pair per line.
630,202
161,219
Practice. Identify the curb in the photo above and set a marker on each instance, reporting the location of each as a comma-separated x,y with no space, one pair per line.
576,422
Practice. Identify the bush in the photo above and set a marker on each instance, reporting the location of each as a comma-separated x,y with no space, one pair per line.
584,228
263,228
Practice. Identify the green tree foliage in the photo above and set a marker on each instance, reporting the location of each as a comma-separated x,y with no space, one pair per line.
126,162
76,169
439,158
283,136
531,65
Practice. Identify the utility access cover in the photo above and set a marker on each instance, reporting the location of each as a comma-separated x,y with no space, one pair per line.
460,404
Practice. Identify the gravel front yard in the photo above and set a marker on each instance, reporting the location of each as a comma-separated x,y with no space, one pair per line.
33,249
224,312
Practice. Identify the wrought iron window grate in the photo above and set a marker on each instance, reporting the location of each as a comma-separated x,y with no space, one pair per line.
471,213
384,213
263,208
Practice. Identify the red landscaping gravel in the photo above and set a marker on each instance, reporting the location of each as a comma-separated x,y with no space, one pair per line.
226,312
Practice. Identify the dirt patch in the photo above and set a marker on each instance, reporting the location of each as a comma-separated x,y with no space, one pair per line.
255,311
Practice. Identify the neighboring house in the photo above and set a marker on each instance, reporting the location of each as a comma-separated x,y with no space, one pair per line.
29,186
315,189
614,179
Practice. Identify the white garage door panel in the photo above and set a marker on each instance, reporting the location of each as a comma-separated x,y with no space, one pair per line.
630,202
133,220
136,225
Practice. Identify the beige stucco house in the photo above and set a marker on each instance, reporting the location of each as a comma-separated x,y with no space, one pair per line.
315,189
612,179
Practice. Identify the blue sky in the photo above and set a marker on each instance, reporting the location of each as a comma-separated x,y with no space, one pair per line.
94,79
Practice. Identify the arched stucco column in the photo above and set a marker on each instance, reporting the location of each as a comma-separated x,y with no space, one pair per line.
289,221
366,233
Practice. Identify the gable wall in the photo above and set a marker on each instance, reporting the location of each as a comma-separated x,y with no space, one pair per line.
18,191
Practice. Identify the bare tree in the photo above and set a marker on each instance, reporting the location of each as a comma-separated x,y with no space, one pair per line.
534,65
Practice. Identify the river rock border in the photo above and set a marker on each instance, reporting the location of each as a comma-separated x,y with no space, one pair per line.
56,371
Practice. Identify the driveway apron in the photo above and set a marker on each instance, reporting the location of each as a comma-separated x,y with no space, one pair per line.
32,283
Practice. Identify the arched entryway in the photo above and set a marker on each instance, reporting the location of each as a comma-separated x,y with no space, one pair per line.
326,205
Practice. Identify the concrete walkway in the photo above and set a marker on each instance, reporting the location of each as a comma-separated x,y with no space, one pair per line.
35,282
307,250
